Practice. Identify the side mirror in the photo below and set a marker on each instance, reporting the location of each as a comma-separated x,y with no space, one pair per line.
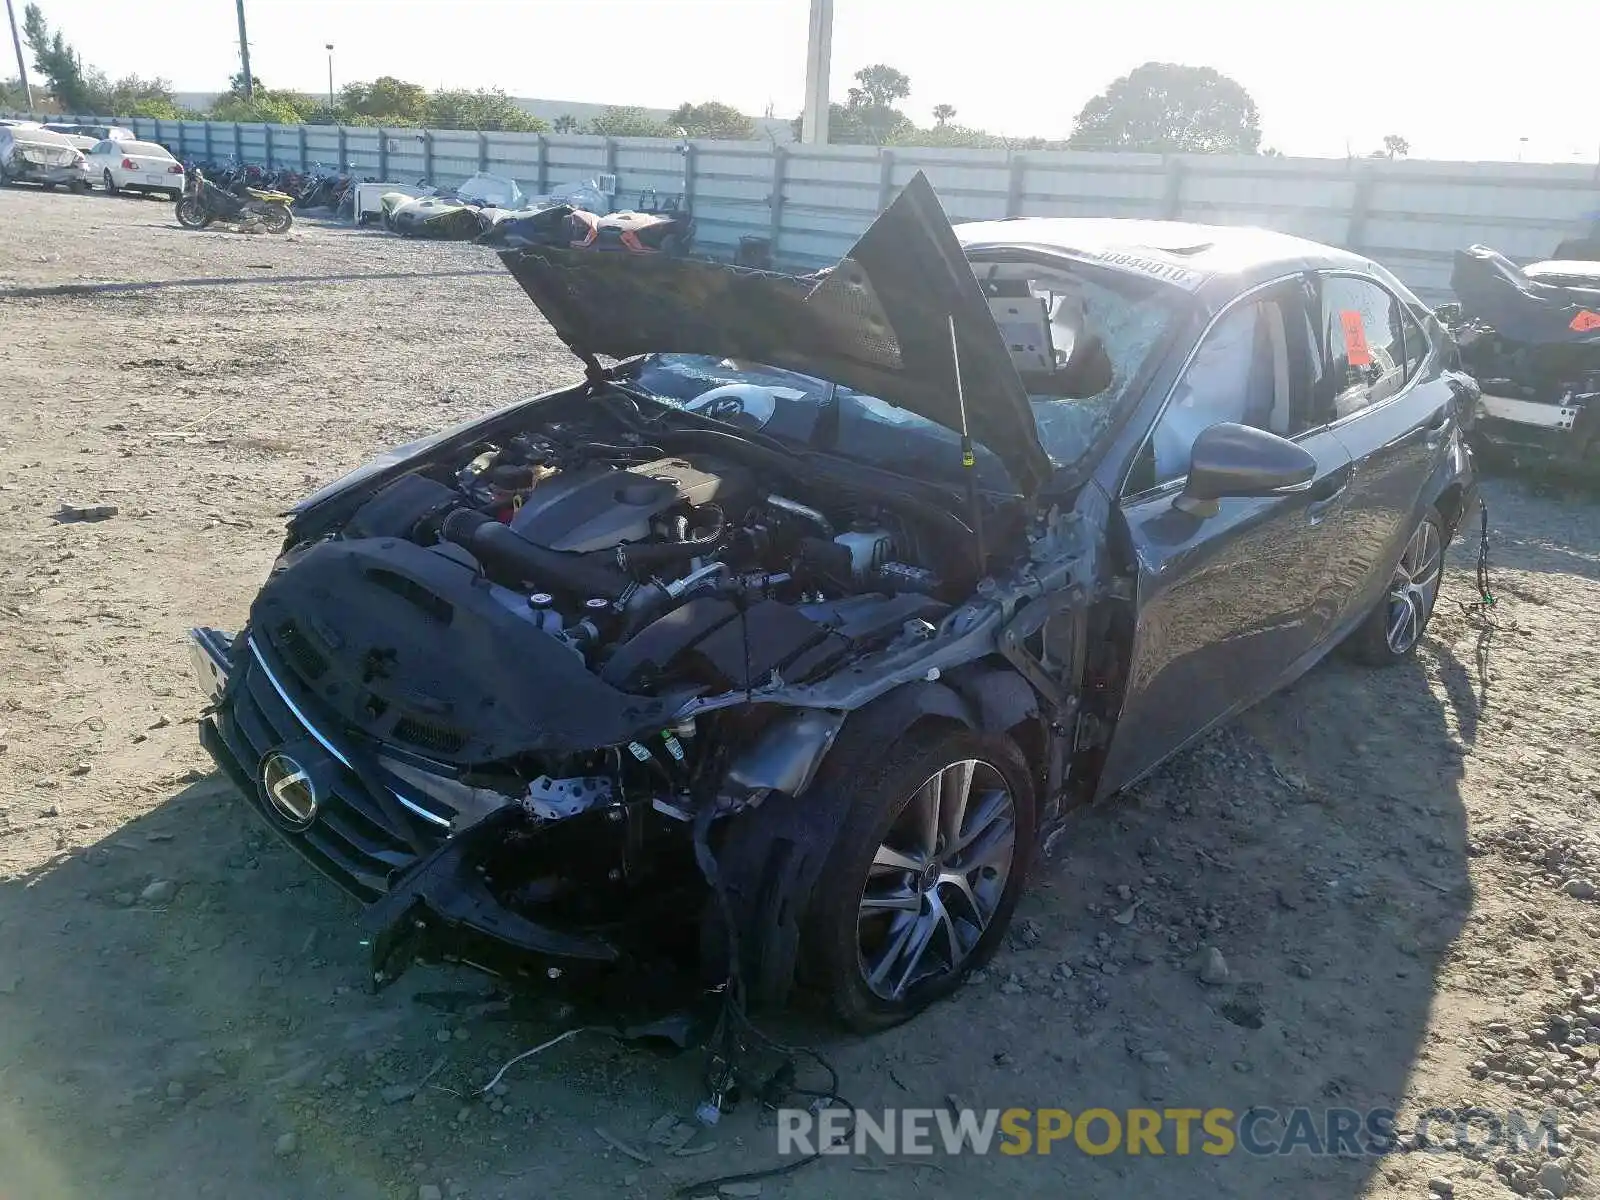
1240,460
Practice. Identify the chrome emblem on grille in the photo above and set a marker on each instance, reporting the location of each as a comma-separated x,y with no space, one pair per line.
288,788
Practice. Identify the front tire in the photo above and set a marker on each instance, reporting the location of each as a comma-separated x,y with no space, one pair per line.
191,214
1393,630
277,218
109,183
924,876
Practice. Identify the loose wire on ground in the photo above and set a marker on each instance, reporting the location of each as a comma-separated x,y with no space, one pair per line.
540,1048
734,1019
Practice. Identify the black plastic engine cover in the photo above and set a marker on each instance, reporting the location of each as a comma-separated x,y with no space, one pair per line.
708,641
407,645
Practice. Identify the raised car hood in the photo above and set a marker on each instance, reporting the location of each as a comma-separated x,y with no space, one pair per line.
878,322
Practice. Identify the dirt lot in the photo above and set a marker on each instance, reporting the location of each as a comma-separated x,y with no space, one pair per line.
1389,864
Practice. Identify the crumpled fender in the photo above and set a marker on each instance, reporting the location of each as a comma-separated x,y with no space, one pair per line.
770,856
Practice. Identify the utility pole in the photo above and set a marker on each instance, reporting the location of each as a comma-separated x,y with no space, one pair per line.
819,54
330,79
22,67
244,54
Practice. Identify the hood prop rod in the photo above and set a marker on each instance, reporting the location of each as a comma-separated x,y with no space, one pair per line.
969,460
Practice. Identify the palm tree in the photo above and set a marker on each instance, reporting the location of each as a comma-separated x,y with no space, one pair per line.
565,123
1396,146
942,114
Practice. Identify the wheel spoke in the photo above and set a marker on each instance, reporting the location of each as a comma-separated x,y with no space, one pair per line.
991,848
952,928
955,788
900,937
958,883
889,859
923,816
1402,621
1427,574
990,807
900,900
924,929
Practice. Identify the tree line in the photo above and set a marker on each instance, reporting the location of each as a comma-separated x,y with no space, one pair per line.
1162,108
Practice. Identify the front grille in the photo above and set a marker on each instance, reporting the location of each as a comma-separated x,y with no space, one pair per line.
352,839
305,658
425,735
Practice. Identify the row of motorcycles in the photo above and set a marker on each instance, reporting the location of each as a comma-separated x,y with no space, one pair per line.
249,195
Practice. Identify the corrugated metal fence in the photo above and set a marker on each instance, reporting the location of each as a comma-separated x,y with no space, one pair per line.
813,200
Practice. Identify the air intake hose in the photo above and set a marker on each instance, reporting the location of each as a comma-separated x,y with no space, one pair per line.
642,559
509,554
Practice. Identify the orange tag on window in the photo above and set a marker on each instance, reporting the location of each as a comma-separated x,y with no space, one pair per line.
1356,351
1585,322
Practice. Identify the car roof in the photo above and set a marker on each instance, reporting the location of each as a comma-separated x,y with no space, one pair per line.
1182,253
39,135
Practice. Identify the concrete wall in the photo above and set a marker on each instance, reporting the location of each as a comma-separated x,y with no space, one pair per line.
814,200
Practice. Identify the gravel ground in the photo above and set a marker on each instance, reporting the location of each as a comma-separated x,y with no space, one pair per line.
1396,872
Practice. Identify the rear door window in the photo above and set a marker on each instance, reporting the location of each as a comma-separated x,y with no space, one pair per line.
1363,345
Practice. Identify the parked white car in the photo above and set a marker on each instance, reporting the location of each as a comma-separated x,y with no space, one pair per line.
39,156
123,166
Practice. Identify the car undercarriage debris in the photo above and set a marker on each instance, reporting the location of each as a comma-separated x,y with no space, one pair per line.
1531,336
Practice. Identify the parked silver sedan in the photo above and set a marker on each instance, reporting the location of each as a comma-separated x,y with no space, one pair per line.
39,156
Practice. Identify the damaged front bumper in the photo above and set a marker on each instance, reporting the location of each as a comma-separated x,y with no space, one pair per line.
414,858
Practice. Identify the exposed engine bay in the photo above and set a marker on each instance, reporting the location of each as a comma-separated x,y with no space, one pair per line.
636,580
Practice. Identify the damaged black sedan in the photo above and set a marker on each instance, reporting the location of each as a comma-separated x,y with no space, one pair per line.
782,643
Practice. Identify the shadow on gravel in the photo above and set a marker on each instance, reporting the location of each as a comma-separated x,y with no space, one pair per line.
166,994
1568,520
147,285
183,1012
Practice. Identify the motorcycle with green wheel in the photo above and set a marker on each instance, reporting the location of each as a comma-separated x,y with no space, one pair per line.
203,202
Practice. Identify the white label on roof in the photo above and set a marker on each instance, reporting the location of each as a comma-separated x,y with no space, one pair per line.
1153,267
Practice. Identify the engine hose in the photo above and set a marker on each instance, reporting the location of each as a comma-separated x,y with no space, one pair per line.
643,559
505,551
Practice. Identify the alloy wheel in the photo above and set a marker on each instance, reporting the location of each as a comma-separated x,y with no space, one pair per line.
1414,589
937,878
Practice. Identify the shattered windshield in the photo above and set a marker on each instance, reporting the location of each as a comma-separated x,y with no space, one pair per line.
1078,337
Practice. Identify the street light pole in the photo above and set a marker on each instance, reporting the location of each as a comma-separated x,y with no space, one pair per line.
244,53
330,79
819,54
22,67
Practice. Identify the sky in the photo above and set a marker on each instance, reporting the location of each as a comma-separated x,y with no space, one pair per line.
1458,80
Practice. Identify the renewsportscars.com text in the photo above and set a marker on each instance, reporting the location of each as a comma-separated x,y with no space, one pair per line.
1257,1131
